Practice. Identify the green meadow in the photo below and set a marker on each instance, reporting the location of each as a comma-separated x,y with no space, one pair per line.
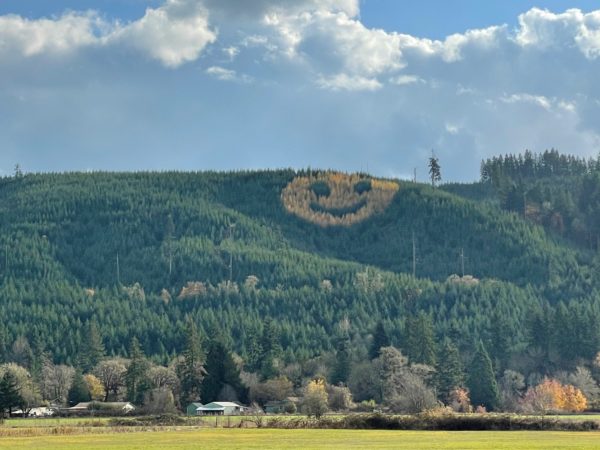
210,438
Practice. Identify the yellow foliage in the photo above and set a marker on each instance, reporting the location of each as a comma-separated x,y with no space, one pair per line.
95,386
575,401
298,198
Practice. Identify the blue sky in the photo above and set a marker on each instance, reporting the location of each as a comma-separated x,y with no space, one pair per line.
230,84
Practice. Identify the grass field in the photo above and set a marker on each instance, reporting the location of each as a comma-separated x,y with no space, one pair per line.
211,438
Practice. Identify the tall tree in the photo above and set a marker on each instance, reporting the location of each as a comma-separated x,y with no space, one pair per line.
92,350
449,372
380,339
270,350
419,339
79,391
9,393
190,369
435,171
221,371
343,359
136,377
482,382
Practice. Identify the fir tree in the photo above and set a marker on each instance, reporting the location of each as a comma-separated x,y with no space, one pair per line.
10,396
420,340
221,371
190,369
343,360
136,376
435,171
93,348
449,372
270,350
380,339
482,382
79,391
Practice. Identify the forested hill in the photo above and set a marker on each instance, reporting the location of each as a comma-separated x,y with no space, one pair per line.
137,253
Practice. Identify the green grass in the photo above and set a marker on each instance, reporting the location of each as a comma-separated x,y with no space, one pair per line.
309,439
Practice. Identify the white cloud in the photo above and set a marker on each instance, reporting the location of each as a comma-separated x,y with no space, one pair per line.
402,80
173,34
470,95
224,74
343,82
61,35
543,30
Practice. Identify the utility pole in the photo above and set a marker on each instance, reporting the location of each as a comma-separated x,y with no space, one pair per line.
462,261
415,175
118,271
414,255
231,228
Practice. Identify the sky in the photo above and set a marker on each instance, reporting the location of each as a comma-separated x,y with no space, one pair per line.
372,85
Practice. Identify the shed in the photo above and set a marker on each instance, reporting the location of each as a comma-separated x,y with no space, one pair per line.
190,410
220,409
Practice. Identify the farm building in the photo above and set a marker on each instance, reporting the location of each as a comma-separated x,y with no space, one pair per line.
220,409
190,410
99,408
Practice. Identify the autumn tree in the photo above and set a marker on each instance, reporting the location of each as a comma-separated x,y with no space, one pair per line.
94,386
314,401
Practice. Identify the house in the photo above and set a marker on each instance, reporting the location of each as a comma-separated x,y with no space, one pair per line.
220,409
190,410
99,408
42,411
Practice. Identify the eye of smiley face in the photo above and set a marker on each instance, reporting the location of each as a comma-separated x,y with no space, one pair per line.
333,198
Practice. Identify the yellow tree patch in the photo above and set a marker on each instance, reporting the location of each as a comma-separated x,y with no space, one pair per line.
333,198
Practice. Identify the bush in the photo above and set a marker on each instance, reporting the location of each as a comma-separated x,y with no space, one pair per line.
160,420
441,419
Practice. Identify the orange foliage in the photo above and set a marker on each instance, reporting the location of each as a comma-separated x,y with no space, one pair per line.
575,401
551,395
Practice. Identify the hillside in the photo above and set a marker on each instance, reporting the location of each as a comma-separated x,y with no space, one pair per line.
119,249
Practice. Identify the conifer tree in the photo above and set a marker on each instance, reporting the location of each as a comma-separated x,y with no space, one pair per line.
221,371
136,377
482,382
419,340
435,171
380,339
449,372
343,360
93,348
190,370
10,396
79,391
270,350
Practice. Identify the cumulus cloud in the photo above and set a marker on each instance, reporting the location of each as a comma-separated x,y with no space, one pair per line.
173,33
65,34
544,30
469,95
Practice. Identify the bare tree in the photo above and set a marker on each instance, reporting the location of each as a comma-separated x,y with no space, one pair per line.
111,373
